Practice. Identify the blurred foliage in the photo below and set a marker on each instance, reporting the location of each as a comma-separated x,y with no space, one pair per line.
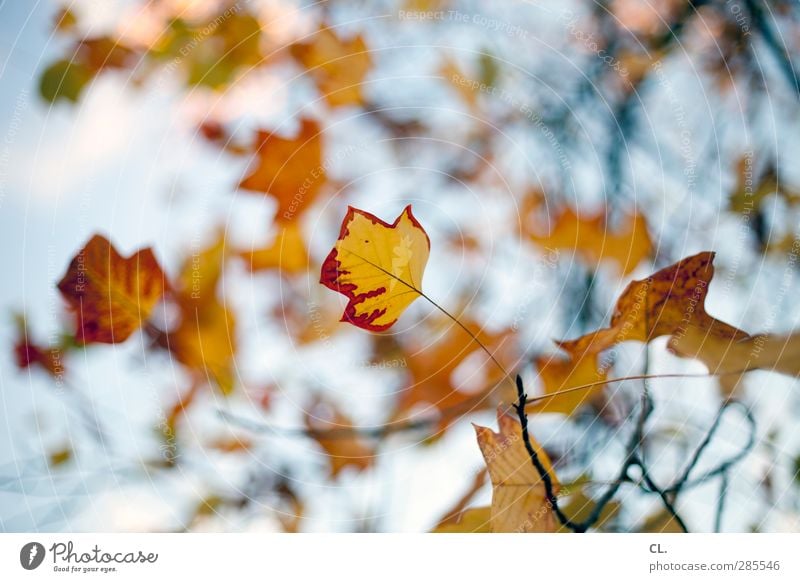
442,368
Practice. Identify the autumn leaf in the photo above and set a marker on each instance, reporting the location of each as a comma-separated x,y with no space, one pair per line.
660,522
307,318
201,271
579,507
289,169
471,520
66,78
433,358
287,253
560,375
221,46
338,66
205,339
519,501
205,342
730,356
377,266
668,302
425,5
462,519
460,83
593,241
28,353
111,296
64,20
60,456
672,303
750,193
330,427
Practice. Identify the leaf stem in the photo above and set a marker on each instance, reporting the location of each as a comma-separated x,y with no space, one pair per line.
474,337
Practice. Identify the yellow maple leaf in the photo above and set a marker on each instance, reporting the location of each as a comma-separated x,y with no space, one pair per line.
378,266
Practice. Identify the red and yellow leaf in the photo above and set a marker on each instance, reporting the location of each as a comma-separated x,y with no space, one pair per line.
377,266
111,296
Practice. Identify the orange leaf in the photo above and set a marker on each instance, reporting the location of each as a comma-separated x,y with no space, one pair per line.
560,374
205,342
667,303
205,339
672,303
377,266
337,66
433,359
286,253
329,427
594,243
289,169
111,295
723,353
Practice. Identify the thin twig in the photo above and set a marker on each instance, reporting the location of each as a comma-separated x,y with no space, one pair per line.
549,491
669,504
411,425
723,493
683,481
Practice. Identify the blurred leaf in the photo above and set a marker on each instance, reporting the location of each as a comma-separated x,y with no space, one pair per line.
750,193
558,374
287,252
333,431
337,66
111,296
64,80
593,241
660,522
797,470
489,70
432,358
65,20
213,52
289,169
59,457
27,353
473,520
